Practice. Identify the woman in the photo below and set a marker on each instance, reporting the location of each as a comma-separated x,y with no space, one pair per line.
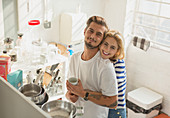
112,48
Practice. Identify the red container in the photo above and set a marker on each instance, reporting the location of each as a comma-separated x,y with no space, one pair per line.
5,66
162,115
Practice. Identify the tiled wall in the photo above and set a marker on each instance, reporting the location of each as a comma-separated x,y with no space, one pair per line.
150,69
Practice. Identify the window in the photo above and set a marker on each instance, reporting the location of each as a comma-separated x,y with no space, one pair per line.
152,20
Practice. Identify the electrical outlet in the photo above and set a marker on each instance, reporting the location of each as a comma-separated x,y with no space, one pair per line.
47,24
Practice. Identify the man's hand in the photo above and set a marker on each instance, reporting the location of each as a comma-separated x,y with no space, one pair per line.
72,97
96,97
76,89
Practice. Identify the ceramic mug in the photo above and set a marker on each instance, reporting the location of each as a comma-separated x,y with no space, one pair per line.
73,80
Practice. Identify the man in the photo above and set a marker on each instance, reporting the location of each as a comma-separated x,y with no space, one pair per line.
97,85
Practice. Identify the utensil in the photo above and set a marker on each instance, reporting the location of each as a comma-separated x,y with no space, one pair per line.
44,101
30,91
39,98
53,79
42,98
48,74
46,78
59,109
56,74
29,77
40,75
53,67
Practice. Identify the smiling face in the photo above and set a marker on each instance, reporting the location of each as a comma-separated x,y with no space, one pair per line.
94,35
108,48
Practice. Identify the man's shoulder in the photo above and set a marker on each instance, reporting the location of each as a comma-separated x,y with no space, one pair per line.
75,55
104,63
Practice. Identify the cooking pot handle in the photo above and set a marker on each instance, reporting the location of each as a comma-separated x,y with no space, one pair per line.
79,111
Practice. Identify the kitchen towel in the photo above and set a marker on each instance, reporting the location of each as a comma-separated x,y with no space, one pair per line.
141,43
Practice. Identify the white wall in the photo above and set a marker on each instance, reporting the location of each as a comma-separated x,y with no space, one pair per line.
129,18
87,6
10,18
30,11
149,69
115,12
112,10
1,27
1,22
57,7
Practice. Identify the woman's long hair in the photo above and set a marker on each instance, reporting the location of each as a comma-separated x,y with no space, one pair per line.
119,38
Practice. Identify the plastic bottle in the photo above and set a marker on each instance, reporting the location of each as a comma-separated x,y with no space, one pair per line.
8,43
70,50
5,54
19,40
13,55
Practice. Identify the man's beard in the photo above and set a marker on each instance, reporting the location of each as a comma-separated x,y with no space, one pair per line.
89,46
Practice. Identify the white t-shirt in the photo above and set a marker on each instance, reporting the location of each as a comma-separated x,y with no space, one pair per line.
96,74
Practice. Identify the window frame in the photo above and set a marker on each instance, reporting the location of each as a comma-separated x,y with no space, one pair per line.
134,24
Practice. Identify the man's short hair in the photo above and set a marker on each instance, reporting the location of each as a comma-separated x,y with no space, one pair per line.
97,19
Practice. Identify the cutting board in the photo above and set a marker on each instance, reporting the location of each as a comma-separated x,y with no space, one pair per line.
46,79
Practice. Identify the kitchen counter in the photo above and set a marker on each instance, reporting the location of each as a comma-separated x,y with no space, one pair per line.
27,66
